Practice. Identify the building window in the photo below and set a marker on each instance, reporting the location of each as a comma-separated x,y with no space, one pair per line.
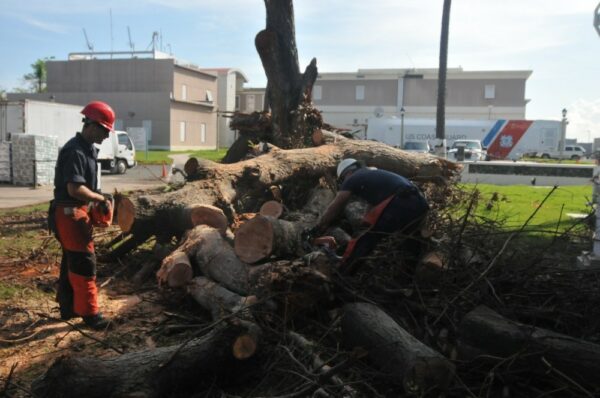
203,132
360,93
237,102
182,131
183,92
209,96
490,91
317,92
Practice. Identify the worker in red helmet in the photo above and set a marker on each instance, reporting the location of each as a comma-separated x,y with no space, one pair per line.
75,188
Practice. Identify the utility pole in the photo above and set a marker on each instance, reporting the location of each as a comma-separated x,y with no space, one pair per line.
440,135
597,19
563,132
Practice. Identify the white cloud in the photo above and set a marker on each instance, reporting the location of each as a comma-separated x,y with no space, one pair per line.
584,120
43,25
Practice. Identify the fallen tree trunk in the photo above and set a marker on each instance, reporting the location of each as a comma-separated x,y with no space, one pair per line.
484,331
241,187
155,373
402,357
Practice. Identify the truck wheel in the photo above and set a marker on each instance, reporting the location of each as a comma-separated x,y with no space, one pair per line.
575,157
120,167
545,156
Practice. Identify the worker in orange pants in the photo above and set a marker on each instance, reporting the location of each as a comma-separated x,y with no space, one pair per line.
75,188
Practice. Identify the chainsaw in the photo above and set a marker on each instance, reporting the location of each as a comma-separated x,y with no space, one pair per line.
324,244
101,213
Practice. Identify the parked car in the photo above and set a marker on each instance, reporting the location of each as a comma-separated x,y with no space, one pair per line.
417,146
473,151
574,152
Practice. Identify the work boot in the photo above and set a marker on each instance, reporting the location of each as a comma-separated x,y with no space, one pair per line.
97,322
66,313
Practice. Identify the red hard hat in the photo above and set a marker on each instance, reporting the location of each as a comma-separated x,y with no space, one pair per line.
100,112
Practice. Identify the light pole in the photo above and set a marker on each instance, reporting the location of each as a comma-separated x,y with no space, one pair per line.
563,132
402,111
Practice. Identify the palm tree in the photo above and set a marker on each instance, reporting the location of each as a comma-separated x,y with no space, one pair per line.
37,78
441,100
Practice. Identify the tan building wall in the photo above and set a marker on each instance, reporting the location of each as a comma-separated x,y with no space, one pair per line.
144,92
349,99
193,119
196,86
110,75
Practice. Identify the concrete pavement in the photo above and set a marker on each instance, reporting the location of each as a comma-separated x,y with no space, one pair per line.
140,177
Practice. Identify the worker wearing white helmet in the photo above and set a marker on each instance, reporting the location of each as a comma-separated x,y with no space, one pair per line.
397,206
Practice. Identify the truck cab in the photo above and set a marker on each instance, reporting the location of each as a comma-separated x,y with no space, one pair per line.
467,150
116,154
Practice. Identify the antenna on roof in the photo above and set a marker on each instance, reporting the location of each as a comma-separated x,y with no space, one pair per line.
131,45
111,32
154,40
90,46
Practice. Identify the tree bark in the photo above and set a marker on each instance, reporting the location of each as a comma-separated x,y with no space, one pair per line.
288,88
484,331
215,298
402,357
152,373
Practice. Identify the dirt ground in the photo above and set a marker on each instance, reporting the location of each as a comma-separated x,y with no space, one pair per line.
32,335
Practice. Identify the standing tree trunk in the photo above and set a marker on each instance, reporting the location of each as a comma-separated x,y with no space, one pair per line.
288,89
441,100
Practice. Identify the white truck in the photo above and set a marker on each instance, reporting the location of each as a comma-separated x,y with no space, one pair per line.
502,139
116,154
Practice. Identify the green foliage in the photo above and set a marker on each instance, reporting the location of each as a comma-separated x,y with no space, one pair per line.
512,205
158,157
36,79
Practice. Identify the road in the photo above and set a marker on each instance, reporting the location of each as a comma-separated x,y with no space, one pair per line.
139,177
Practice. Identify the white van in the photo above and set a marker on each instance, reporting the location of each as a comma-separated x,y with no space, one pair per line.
116,153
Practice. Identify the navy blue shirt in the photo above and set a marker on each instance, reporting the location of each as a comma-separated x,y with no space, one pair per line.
76,163
374,185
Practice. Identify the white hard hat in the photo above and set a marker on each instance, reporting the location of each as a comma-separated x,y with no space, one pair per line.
344,165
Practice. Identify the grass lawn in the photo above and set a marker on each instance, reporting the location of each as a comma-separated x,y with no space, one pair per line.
514,204
556,161
158,157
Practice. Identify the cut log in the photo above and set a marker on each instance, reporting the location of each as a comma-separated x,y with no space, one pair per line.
484,331
196,169
124,213
271,208
263,237
399,355
212,216
175,271
222,302
216,299
217,260
317,137
152,374
431,268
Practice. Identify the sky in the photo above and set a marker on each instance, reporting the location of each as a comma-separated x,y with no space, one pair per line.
553,38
